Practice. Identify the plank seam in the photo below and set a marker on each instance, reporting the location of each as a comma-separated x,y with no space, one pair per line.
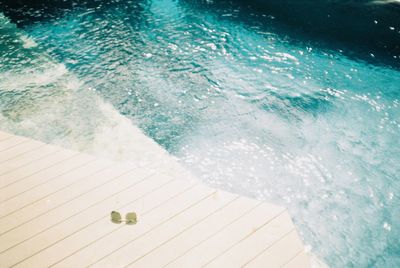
80,195
30,162
61,189
184,230
119,227
14,145
5,149
291,259
245,237
178,213
52,178
40,170
21,154
270,246
215,233
7,137
79,212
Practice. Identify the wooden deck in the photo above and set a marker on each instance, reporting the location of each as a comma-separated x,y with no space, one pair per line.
56,203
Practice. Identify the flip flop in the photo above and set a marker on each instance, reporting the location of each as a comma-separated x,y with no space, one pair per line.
131,218
116,217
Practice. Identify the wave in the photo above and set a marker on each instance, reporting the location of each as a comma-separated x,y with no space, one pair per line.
241,103
41,99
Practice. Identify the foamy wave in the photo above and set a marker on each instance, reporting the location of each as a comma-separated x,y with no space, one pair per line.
48,103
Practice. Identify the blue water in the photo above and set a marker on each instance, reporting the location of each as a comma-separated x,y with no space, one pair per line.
243,101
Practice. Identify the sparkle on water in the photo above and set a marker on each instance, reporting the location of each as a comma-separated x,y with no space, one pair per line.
245,105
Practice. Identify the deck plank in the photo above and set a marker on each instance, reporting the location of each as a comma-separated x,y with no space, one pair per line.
104,237
137,247
276,255
42,198
62,234
84,195
301,260
200,232
18,164
55,167
19,150
206,251
4,135
38,166
141,206
259,240
11,142
55,209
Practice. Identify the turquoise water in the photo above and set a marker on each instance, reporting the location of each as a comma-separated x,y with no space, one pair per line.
245,103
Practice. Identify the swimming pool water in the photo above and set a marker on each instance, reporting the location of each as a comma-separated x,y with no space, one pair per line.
244,103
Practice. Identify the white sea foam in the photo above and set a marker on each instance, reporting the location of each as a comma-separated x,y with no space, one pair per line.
28,42
56,107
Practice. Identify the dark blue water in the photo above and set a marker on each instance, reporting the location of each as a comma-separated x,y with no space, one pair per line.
248,102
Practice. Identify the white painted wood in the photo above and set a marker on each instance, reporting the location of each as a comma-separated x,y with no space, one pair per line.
15,168
201,231
87,193
206,251
12,195
104,237
141,206
55,209
251,246
302,260
34,168
276,255
4,135
11,142
19,150
43,197
68,235
138,247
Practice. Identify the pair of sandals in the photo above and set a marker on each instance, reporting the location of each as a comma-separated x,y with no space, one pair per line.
130,218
